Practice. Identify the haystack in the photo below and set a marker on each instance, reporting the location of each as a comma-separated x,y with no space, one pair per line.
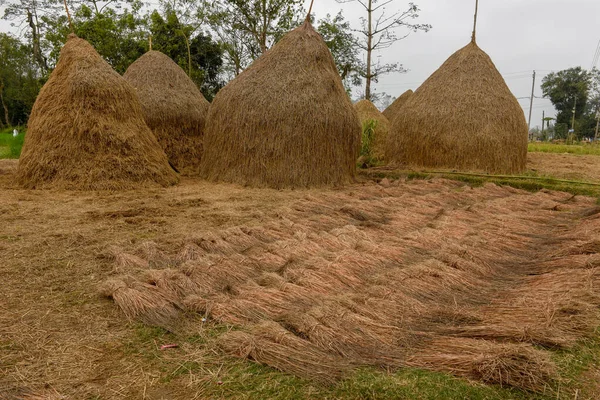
394,109
368,112
463,117
173,107
284,122
87,130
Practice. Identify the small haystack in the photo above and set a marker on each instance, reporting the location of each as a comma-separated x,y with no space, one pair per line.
394,108
87,130
173,107
464,116
284,122
368,112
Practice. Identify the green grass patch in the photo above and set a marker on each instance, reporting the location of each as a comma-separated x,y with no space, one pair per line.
581,149
530,183
10,147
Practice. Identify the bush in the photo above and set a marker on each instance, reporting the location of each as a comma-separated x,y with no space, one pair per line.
368,135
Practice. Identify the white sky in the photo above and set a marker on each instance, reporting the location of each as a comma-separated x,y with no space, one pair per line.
519,35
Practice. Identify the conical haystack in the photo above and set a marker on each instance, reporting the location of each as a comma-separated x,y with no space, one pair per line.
173,107
394,109
87,130
284,122
368,112
463,117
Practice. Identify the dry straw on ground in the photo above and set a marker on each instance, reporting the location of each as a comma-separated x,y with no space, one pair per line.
464,116
284,122
368,112
87,130
393,109
173,107
476,282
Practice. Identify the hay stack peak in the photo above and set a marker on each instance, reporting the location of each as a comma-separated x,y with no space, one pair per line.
394,109
464,116
173,107
87,131
368,112
284,122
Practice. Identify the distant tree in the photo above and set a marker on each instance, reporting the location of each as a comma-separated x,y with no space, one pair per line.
19,81
380,31
338,36
574,89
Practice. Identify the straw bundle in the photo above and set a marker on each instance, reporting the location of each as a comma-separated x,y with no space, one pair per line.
394,108
464,116
284,122
173,107
87,131
368,112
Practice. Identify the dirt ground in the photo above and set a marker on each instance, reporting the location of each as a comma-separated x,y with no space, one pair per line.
60,337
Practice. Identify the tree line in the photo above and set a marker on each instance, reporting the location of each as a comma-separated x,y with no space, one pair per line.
212,40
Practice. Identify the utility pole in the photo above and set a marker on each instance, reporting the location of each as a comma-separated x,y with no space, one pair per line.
573,122
531,103
597,123
543,120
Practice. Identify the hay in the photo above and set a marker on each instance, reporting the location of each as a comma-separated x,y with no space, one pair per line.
464,117
87,131
173,107
393,109
368,112
284,122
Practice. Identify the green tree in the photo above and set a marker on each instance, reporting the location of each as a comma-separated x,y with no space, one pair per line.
200,56
338,36
574,89
19,81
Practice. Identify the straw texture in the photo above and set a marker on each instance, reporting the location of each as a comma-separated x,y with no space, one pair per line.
173,107
284,122
394,108
87,131
464,117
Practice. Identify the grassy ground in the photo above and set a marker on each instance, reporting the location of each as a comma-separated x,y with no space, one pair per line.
10,147
589,149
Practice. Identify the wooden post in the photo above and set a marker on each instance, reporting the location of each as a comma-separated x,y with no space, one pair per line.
473,37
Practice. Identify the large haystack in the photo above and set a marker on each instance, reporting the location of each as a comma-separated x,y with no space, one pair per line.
368,112
173,107
464,117
394,109
87,130
284,122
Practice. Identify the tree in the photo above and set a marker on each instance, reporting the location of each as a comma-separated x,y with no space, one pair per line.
200,56
574,89
19,81
248,28
379,31
337,34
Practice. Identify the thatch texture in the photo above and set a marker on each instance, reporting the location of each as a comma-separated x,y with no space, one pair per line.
463,117
173,107
284,122
368,112
394,109
87,131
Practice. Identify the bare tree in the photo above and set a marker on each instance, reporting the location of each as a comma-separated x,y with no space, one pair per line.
379,31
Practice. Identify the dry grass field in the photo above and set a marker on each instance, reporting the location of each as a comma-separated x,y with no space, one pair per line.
430,289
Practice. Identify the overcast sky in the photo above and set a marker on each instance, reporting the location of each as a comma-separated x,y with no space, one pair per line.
519,35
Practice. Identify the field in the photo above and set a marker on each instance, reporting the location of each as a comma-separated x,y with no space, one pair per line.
407,285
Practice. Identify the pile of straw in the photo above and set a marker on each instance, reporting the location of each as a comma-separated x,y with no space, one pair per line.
173,107
394,109
286,121
463,117
368,112
478,282
87,130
